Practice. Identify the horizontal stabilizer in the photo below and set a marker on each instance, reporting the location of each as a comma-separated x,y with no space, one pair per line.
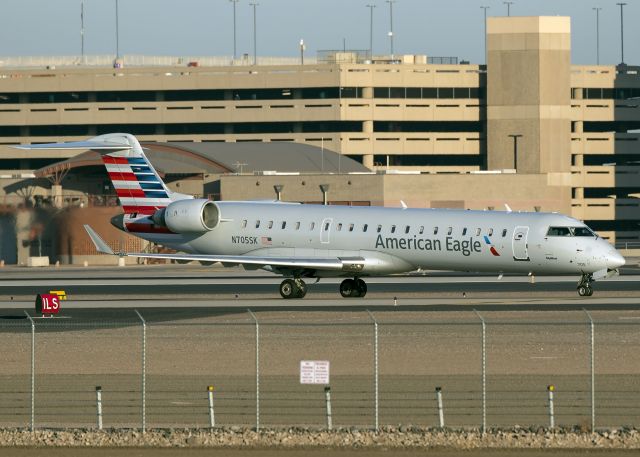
94,145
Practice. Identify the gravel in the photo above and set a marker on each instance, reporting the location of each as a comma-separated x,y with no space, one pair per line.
389,437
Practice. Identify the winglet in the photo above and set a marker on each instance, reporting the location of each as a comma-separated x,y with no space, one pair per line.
404,205
508,208
98,242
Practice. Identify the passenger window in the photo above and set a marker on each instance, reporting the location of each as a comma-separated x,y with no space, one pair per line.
464,231
406,229
312,226
477,232
270,224
244,223
284,225
490,232
379,229
351,227
504,233
297,225
421,230
326,226
449,230
339,227
393,229
435,230
365,227
257,224
558,231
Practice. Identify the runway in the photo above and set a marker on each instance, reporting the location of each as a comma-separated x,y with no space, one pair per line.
229,290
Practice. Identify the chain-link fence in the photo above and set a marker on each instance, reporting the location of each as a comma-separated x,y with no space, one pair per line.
481,370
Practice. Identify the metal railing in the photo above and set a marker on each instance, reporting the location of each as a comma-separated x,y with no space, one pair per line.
478,371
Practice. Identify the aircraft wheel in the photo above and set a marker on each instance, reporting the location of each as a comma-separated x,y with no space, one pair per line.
361,286
347,288
589,291
583,291
288,288
301,287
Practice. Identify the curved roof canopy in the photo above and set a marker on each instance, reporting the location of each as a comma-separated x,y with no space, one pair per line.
221,158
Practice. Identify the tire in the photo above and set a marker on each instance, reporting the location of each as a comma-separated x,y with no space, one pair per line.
301,287
288,289
347,288
361,286
583,291
589,291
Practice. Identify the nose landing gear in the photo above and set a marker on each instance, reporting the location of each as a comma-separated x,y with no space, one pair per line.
351,288
584,286
293,288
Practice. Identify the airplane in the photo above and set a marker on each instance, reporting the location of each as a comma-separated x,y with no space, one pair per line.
305,241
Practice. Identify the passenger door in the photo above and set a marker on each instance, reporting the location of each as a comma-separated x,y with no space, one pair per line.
325,230
519,243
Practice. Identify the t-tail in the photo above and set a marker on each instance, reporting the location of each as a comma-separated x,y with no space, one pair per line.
138,186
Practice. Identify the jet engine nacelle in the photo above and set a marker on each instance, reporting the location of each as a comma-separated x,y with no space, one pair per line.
188,216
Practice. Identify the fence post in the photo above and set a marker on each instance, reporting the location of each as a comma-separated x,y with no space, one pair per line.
144,371
99,405
552,419
327,398
33,370
257,369
212,419
593,370
440,407
375,370
484,372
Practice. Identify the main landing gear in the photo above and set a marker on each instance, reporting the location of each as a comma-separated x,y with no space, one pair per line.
584,286
297,288
350,288
293,288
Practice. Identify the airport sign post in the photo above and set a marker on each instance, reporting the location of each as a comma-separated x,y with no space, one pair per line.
47,304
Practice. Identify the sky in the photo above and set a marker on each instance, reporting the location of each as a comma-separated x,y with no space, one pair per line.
205,27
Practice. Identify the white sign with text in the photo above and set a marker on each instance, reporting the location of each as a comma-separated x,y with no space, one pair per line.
314,372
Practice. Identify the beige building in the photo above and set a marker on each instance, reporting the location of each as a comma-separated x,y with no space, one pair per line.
528,129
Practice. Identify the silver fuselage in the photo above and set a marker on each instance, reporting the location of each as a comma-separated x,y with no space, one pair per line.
395,240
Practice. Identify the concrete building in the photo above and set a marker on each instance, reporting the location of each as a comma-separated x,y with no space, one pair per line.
528,129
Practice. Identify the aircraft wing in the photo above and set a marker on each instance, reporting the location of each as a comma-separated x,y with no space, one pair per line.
351,264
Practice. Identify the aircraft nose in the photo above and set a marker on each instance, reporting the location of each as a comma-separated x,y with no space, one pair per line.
615,260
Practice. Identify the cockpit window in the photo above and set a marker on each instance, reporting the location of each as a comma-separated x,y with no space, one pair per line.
570,231
558,231
582,231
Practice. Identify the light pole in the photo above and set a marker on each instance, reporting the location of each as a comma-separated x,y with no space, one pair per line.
371,7
82,30
255,41
597,10
508,7
117,33
391,2
302,48
235,53
485,8
622,5
515,150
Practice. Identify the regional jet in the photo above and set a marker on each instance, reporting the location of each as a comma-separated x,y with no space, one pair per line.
303,241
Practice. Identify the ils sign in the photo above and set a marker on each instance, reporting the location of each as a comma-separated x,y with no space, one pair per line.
47,304
314,372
